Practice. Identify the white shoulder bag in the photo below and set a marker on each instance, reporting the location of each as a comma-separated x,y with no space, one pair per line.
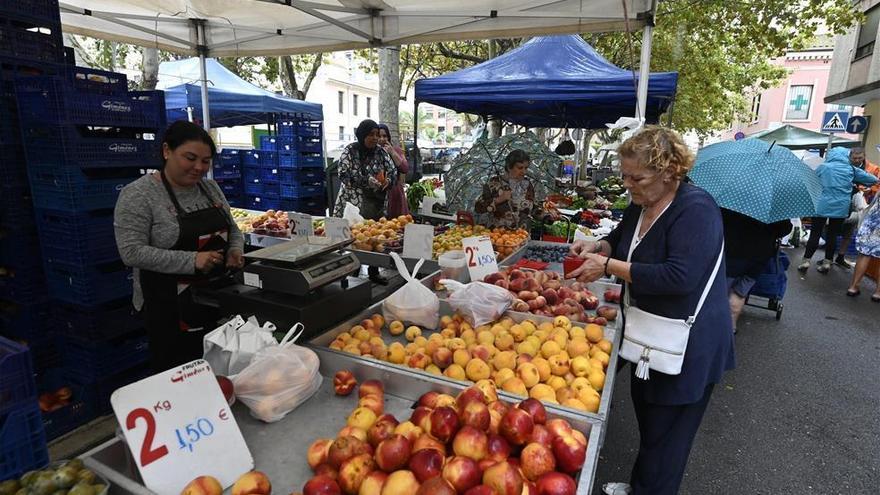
656,342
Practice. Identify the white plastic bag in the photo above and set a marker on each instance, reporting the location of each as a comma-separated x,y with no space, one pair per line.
352,213
279,379
478,302
413,303
230,347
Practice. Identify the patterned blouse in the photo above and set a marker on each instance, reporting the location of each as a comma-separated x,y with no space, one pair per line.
516,211
355,174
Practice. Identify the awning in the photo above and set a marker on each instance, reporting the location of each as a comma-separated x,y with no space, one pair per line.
798,138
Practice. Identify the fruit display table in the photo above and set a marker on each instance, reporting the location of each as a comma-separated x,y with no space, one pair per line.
280,449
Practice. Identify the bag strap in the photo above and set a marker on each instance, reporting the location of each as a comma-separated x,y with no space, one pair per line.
693,318
290,339
401,267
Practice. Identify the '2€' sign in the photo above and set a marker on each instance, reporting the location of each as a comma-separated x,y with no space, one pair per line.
480,257
177,423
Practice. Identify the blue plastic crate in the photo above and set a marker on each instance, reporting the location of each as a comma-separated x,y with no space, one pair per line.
85,237
252,173
253,188
231,188
22,441
20,256
250,158
25,320
268,143
74,190
16,376
29,285
311,206
230,156
87,285
303,176
44,353
31,40
41,10
104,321
268,158
308,129
311,160
228,164
83,147
299,191
310,145
92,359
53,100
76,411
287,128
262,203
270,174
104,387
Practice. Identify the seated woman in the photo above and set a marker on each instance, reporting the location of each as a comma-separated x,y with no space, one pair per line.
508,200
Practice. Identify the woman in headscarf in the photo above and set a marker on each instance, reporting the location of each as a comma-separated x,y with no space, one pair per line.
366,172
396,197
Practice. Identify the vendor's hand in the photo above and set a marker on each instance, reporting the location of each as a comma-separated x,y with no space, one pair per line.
582,248
592,269
207,260
503,196
234,259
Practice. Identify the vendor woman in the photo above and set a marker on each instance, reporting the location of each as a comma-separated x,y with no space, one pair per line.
508,200
175,229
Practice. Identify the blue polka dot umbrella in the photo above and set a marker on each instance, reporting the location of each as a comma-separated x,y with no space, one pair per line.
758,179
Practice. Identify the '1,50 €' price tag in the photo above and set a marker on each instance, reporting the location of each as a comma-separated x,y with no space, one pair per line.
178,426
480,256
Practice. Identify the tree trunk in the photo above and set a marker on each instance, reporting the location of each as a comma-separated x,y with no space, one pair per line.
150,69
389,96
495,126
316,64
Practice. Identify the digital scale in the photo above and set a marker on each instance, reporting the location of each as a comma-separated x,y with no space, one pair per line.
299,266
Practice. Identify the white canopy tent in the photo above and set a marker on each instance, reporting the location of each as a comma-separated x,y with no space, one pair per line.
218,28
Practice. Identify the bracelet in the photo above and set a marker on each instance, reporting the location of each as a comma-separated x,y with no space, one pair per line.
607,260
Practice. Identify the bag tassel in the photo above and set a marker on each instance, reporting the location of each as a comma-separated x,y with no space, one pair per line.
642,368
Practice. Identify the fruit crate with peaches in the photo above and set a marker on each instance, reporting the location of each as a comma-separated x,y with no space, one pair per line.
380,236
562,363
504,241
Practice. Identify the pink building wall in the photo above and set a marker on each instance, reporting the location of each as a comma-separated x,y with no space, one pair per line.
807,68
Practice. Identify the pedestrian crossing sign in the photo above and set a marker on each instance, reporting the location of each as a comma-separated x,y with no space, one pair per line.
834,121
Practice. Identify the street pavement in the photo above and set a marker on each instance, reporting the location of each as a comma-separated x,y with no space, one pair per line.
801,412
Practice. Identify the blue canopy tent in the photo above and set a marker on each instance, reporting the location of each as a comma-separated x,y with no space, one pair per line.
549,81
232,100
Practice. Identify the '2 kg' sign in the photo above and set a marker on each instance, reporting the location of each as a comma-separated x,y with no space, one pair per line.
480,257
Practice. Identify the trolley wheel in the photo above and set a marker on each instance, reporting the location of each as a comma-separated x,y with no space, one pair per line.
772,304
778,311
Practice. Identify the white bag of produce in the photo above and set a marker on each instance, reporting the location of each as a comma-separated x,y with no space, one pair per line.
230,347
352,213
279,378
478,302
413,303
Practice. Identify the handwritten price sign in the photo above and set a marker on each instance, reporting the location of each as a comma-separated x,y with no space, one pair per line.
337,228
300,224
480,256
178,426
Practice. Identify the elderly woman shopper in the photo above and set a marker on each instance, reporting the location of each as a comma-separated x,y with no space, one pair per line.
667,250
508,200
366,172
837,175
868,246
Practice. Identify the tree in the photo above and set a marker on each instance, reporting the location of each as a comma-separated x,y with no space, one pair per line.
150,68
289,68
389,89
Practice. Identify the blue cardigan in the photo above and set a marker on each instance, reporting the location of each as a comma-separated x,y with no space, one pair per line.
670,268
838,176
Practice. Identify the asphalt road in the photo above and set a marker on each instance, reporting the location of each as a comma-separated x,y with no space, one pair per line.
801,412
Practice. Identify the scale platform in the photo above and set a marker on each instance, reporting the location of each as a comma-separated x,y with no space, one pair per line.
300,266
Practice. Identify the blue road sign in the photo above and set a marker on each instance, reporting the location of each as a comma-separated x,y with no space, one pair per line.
834,121
739,135
857,124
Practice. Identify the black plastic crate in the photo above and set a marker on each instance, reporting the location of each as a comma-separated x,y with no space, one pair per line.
311,206
262,202
75,190
22,441
92,359
16,376
60,415
232,188
39,10
84,146
28,321
77,237
105,321
87,285
104,387
303,176
301,191
31,39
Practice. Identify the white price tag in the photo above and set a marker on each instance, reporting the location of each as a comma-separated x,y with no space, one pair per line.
480,256
418,241
337,228
178,427
300,224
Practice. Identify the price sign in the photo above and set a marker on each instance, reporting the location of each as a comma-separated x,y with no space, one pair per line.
418,241
300,224
337,228
178,426
480,256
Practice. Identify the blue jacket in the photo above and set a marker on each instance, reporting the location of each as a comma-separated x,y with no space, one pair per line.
670,268
838,176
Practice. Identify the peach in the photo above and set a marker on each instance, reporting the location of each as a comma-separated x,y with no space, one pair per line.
409,430
344,448
461,357
351,431
436,486
535,409
413,332
569,452
445,400
381,429
374,403
541,435
400,482
480,490
442,357
490,392
556,484
378,320
426,441
317,453
476,415
528,373
362,418
321,485
252,483
429,399
504,478
462,473
516,426
444,423
498,448
471,442
482,352
344,382
326,470
373,483
396,328
418,360
468,395
354,471
426,464
536,459
515,386
393,453
559,427
203,485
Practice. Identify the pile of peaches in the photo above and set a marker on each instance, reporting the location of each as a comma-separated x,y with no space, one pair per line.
555,362
472,444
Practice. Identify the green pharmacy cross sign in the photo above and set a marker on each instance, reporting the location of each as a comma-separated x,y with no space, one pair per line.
799,102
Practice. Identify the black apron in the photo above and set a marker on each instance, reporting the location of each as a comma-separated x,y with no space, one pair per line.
175,324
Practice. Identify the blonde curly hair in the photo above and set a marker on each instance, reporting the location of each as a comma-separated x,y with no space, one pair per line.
659,148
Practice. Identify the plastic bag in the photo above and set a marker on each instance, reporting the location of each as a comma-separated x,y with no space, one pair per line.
413,303
230,347
478,302
352,213
279,378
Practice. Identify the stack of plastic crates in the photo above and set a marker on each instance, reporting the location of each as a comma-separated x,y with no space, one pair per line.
85,137
227,168
300,166
22,436
30,45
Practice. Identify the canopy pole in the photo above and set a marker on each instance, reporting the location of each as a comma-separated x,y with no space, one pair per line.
645,64
417,165
203,49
